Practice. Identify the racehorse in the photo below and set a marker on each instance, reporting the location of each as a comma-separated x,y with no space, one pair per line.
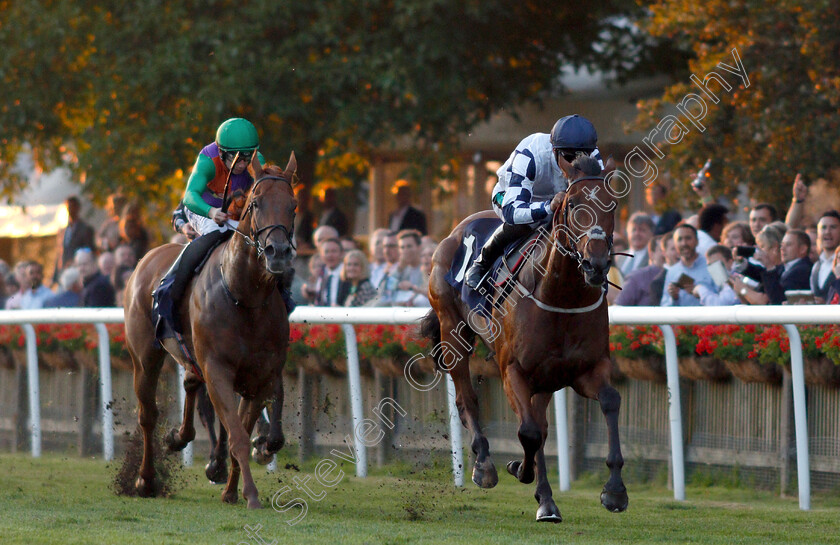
236,329
550,334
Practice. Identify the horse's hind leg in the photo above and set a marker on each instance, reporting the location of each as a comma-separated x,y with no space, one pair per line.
178,439
216,468
596,386
452,337
146,376
519,394
547,511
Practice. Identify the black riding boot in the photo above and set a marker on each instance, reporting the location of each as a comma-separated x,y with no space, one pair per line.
174,283
492,250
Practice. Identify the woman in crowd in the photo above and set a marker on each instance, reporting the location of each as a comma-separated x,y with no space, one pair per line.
355,289
737,233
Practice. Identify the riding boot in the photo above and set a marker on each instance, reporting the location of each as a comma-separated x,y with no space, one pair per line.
166,301
492,250
192,256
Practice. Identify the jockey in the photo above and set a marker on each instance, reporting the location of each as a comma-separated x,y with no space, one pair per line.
220,173
235,139
524,197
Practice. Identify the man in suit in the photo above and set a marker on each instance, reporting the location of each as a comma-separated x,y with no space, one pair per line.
828,234
331,214
405,216
77,234
796,245
97,290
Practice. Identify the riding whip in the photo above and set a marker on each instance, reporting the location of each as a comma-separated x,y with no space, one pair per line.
225,202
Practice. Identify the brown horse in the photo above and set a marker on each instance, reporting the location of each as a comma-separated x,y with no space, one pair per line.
235,326
551,332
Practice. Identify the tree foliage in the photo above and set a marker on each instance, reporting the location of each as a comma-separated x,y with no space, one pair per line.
785,121
127,93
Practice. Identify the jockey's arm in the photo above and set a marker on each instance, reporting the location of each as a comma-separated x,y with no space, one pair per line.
202,173
517,207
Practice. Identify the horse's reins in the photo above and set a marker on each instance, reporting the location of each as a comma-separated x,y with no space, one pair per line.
595,232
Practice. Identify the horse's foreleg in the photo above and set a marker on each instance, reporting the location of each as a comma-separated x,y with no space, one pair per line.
519,394
614,495
547,511
145,387
216,468
220,388
597,386
178,439
265,447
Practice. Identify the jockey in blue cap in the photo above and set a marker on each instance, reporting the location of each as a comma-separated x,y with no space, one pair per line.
524,197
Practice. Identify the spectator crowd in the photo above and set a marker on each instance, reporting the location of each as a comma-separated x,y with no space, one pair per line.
707,260
91,266
704,260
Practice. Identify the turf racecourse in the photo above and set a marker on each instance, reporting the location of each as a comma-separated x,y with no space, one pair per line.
67,500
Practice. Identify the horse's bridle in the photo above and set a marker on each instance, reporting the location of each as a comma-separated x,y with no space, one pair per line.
253,239
596,232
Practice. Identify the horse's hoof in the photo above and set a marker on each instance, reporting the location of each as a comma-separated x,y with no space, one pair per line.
484,474
615,502
548,512
230,497
145,489
173,441
277,444
216,471
514,467
259,450
254,503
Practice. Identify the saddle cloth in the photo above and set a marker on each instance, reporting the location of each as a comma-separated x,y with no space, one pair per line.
504,269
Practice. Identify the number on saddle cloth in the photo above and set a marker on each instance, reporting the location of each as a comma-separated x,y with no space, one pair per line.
169,292
476,234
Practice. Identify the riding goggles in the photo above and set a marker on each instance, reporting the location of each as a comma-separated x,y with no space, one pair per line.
229,155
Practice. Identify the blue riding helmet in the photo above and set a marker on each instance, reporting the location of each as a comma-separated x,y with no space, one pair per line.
574,133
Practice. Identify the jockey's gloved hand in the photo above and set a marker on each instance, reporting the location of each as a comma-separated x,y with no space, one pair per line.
217,215
557,201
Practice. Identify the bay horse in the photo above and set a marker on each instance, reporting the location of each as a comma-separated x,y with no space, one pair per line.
235,327
552,333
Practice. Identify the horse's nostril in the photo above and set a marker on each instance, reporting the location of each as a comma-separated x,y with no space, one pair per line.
270,251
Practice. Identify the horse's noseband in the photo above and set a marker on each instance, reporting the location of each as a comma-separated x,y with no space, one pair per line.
253,239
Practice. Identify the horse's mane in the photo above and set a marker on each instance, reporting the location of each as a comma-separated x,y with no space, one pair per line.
587,165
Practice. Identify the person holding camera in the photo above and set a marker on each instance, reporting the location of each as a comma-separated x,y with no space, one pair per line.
770,255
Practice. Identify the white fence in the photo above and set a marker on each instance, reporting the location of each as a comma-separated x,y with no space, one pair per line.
789,316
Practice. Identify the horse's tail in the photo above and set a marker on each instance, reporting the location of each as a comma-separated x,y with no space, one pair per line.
430,327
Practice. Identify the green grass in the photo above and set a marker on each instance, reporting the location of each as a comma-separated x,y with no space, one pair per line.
66,500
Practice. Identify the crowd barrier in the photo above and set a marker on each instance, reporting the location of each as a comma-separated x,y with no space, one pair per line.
788,316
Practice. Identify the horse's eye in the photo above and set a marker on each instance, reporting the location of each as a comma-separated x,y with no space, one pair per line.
255,205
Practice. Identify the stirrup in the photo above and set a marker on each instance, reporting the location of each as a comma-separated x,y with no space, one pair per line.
473,279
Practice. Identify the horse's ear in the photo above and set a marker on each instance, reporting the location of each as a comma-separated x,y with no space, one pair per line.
565,166
255,168
291,168
609,166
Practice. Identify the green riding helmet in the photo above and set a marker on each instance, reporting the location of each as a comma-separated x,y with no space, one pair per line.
237,134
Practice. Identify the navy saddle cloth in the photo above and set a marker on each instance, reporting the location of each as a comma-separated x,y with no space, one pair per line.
476,235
